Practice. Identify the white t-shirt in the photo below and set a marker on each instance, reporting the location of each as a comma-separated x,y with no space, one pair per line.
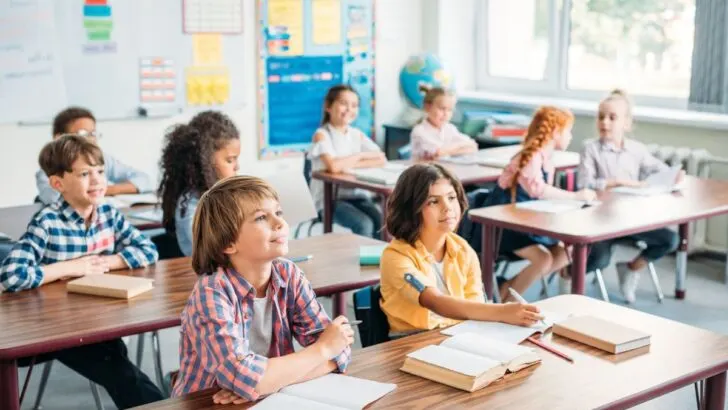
261,330
426,139
440,277
338,144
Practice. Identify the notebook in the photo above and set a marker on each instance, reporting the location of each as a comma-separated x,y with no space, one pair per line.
658,183
110,285
503,331
375,175
468,361
369,255
153,215
602,334
129,200
555,206
329,392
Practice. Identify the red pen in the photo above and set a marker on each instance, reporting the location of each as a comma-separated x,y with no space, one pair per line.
550,349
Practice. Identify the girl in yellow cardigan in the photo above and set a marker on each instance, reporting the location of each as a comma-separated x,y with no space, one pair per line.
430,276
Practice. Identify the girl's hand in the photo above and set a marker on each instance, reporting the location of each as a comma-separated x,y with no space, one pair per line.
520,314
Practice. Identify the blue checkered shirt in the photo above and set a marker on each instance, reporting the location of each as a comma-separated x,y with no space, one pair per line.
58,233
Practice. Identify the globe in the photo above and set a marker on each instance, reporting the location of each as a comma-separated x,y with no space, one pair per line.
422,69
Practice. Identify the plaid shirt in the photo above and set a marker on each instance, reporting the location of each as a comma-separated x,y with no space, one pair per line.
214,345
58,233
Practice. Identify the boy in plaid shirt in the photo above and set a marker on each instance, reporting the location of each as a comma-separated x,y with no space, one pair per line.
77,236
249,304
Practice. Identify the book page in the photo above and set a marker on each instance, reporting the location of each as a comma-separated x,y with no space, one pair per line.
277,401
486,347
341,391
503,331
456,360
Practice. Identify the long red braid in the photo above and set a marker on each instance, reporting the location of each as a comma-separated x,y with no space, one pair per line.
546,122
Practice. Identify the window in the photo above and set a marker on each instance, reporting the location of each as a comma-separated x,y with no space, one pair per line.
583,48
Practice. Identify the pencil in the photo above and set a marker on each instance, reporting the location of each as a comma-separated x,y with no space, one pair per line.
321,329
549,349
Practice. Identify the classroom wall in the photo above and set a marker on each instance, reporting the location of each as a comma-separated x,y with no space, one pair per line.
138,142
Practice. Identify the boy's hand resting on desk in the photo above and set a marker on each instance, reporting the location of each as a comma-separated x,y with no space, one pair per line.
227,397
337,337
587,195
520,314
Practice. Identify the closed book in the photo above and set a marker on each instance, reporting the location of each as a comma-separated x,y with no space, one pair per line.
602,334
109,285
369,255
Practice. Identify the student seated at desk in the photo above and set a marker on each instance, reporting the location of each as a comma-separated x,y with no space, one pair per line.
123,178
77,236
194,157
530,176
249,304
614,160
435,136
338,146
430,275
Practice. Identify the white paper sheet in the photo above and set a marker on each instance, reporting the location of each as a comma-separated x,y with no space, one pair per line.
339,390
503,331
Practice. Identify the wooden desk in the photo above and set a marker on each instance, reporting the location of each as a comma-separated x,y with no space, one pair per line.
596,380
468,175
617,216
14,220
49,319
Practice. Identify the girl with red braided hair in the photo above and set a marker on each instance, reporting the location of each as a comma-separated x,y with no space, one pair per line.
530,176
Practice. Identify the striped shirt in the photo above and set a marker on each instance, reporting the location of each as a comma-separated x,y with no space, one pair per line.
58,233
216,327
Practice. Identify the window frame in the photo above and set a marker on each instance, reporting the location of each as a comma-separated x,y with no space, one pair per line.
556,75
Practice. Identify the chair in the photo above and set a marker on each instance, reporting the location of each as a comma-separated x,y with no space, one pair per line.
167,246
374,328
307,171
641,245
404,152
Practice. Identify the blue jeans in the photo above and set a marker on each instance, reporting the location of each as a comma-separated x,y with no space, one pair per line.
360,215
659,242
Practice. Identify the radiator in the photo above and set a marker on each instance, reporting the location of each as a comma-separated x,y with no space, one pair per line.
696,162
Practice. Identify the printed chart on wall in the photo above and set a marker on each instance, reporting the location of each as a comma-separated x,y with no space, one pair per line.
120,58
306,47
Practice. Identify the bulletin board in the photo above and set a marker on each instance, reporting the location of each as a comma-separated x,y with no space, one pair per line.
305,48
120,58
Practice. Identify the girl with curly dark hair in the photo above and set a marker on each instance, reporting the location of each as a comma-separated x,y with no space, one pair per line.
194,157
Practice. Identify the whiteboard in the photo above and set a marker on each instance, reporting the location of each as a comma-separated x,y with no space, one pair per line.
60,53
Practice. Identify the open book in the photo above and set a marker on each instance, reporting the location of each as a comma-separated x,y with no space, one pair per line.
468,361
329,392
658,183
503,331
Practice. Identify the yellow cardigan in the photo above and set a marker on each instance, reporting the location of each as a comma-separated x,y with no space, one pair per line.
400,300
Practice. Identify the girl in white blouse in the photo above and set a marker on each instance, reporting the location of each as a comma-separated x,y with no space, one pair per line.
435,136
337,146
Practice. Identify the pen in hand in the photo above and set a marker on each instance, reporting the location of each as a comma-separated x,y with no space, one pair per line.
321,329
520,299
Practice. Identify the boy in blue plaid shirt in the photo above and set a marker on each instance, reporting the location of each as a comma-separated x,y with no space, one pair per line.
77,236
